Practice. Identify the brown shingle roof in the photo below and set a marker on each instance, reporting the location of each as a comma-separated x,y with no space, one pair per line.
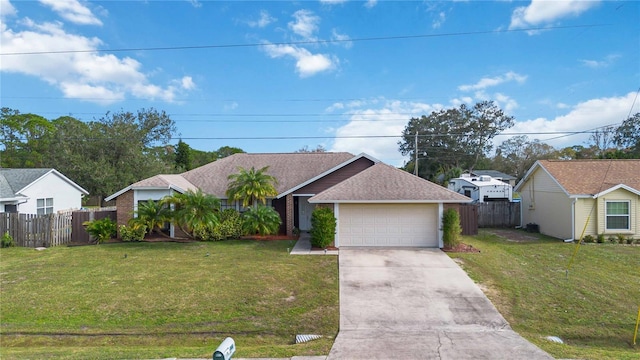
290,169
590,177
166,181
382,182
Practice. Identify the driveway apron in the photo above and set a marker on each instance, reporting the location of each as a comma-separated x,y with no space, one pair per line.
418,304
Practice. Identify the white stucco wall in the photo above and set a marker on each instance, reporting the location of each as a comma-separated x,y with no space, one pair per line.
65,195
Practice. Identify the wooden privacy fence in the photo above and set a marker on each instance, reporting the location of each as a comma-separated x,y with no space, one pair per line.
30,230
499,214
79,234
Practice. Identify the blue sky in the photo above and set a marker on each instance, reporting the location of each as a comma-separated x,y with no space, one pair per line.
275,76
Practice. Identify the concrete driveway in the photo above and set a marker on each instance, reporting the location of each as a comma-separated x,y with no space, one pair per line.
418,304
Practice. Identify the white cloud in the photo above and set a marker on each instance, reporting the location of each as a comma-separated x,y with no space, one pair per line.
6,9
586,115
305,24
542,12
370,3
343,39
93,76
332,2
307,63
264,20
73,11
388,119
439,20
606,62
230,106
187,83
195,3
490,82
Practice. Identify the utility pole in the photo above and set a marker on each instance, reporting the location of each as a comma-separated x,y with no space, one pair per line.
415,150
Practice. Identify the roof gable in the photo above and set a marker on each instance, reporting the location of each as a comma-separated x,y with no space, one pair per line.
15,181
590,177
385,183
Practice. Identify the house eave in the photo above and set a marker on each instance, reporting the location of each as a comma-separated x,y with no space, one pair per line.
617,187
169,187
389,201
60,175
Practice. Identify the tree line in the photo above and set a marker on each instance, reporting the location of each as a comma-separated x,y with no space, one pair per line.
107,154
450,141
103,155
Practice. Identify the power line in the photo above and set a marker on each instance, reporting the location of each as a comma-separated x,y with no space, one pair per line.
308,42
301,137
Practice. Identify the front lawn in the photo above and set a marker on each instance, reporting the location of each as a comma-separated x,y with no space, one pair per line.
593,309
159,300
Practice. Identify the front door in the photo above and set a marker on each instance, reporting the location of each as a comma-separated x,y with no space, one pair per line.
304,212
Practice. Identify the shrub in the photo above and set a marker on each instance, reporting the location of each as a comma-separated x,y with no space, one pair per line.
262,220
588,239
600,238
621,238
451,228
229,227
323,227
133,232
101,230
630,240
612,239
231,224
7,241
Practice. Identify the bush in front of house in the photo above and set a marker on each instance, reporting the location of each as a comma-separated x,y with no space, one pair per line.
134,232
451,229
588,239
261,220
231,224
323,227
229,227
101,230
7,241
600,239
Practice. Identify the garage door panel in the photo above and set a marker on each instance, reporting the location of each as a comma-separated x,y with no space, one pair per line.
412,225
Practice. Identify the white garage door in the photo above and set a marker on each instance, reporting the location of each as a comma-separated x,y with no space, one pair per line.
411,225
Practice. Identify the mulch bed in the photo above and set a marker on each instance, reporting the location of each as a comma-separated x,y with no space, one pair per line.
462,248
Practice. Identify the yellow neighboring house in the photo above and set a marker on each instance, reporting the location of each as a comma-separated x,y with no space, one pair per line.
571,198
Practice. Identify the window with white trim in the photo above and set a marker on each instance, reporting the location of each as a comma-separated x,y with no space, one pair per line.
618,215
44,206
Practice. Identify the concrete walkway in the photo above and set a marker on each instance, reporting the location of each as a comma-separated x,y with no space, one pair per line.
418,304
303,247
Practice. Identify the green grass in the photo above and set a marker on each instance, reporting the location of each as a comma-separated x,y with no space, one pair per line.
593,307
158,300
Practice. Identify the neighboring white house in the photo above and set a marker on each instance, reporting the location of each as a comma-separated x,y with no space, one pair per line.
482,188
38,191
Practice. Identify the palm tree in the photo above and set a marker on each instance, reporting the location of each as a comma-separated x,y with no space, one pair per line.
262,220
251,186
194,211
153,215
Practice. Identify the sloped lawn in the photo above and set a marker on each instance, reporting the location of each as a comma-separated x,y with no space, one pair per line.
160,300
593,307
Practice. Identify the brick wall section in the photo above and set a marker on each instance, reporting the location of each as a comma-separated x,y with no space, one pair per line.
289,217
124,204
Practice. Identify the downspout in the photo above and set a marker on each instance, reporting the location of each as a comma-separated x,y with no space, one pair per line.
521,219
440,230
573,221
